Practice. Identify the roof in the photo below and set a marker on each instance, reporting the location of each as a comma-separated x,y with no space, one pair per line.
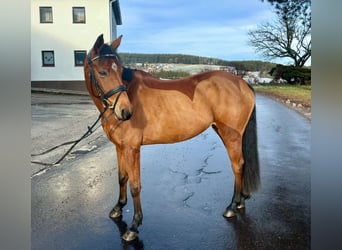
116,11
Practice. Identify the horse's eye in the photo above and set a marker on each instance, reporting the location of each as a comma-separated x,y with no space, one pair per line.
103,73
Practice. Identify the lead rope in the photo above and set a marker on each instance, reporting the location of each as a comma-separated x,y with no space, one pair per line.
75,142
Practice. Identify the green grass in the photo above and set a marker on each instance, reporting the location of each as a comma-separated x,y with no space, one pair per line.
295,93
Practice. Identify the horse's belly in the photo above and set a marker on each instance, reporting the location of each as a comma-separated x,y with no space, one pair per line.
174,130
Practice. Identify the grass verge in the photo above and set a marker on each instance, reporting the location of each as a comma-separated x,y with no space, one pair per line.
300,94
295,97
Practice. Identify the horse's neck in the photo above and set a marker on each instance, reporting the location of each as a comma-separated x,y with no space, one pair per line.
143,78
146,75
184,86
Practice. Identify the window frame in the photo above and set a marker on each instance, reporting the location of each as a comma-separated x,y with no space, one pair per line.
41,16
75,59
74,17
44,64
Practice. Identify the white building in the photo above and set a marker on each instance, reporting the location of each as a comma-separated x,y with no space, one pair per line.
62,33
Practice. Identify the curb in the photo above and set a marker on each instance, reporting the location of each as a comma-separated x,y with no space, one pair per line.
59,91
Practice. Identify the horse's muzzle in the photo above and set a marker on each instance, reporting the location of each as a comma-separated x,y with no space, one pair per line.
122,114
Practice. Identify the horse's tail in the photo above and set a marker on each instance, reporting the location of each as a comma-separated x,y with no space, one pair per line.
251,173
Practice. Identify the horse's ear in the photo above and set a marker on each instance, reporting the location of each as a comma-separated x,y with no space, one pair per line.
116,43
98,44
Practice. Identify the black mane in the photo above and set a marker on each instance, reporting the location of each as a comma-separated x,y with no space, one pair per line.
127,74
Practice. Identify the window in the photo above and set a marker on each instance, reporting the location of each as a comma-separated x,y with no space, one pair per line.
48,58
79,55
45,14
78,15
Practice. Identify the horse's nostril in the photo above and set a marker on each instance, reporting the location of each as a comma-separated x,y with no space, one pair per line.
125,114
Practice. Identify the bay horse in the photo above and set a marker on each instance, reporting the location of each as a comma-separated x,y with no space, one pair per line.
139,109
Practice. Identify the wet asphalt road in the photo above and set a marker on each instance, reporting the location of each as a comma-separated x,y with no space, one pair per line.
185,186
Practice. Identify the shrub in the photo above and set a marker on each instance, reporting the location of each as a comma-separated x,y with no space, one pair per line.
292,74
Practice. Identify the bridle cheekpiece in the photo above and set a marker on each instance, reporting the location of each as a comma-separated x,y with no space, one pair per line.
104,96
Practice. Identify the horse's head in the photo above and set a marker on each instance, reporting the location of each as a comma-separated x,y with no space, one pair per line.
103,71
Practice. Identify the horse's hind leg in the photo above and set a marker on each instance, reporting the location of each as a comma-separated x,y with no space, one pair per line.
233,143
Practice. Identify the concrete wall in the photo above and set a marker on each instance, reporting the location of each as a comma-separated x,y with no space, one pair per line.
63,36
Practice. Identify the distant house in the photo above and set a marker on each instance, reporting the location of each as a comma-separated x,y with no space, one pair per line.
62,32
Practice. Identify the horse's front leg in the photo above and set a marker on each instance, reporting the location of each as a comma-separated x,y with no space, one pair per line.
131,157
116,212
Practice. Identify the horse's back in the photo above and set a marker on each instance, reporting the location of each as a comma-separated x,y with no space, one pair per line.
223,79
225,87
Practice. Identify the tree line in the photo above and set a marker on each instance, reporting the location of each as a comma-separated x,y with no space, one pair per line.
133,58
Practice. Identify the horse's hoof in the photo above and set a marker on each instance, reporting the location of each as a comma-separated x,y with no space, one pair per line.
129,235
115,214
229,213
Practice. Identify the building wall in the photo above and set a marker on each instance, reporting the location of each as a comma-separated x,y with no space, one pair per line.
63,36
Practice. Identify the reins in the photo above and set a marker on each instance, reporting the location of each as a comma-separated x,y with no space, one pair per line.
89,131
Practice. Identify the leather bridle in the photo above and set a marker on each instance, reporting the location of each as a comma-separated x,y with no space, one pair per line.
104,96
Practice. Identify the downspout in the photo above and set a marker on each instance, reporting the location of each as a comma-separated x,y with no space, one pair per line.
115,17
112,36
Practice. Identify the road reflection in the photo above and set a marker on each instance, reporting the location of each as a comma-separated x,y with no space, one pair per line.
244,231
122,227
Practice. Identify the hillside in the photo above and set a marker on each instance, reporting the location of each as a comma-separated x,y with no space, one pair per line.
133,58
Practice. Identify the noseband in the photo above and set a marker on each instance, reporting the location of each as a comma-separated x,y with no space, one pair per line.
104,96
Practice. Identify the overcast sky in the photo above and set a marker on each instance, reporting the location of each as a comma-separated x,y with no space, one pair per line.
216,28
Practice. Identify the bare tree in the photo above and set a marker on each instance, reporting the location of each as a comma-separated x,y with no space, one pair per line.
293,8
289,36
